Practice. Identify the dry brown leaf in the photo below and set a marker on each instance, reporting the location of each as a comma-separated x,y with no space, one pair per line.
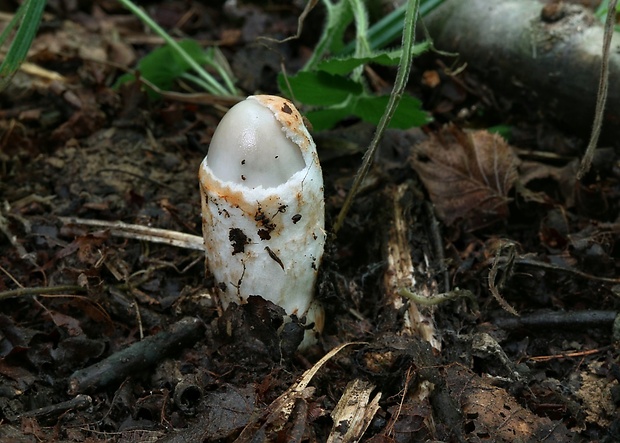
467,174
564,176
492,414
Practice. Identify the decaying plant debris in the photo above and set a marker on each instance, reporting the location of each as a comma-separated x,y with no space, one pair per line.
418,285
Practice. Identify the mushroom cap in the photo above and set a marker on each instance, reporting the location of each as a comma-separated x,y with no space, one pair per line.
250,147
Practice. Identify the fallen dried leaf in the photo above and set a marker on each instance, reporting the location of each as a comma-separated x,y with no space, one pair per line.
564,177
494,415
467,174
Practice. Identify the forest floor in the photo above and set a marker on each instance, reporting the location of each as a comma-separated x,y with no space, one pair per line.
108,338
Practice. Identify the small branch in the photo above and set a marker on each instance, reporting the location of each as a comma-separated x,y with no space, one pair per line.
554,320
79,402
525,261
138,232
40,290
137,357
565,355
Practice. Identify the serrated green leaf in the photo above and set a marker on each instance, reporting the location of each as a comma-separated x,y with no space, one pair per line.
319,88
162,66
327,118
348,64
408,114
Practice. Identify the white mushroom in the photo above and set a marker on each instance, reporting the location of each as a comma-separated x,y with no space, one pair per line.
263,212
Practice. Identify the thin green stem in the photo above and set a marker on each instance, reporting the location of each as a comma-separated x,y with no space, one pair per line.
223,73
362,48
324,40
196,80
337,19
390,27
400,82
27,18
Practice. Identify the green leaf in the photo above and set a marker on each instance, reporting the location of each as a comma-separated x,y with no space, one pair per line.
408,114
348,64
125,78
164,65
503,130
319,88
29,17
601,11
327,118
209,83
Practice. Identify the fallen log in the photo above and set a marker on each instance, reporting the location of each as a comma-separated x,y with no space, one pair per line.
550,54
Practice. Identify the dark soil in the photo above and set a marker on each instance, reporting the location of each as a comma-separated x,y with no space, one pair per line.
108,338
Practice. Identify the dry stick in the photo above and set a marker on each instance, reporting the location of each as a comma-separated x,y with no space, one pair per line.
526,261
300,24
603,86
138,232
580,354
554,320
79,402
137,357
20,292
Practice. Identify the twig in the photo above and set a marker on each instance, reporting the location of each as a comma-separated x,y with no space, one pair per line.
199,98
79,402
545,358
547,320
136,357
524,261
138,232
603,86
20,292
300,24
437,242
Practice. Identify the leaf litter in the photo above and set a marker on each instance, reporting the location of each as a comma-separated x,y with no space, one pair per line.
468,175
